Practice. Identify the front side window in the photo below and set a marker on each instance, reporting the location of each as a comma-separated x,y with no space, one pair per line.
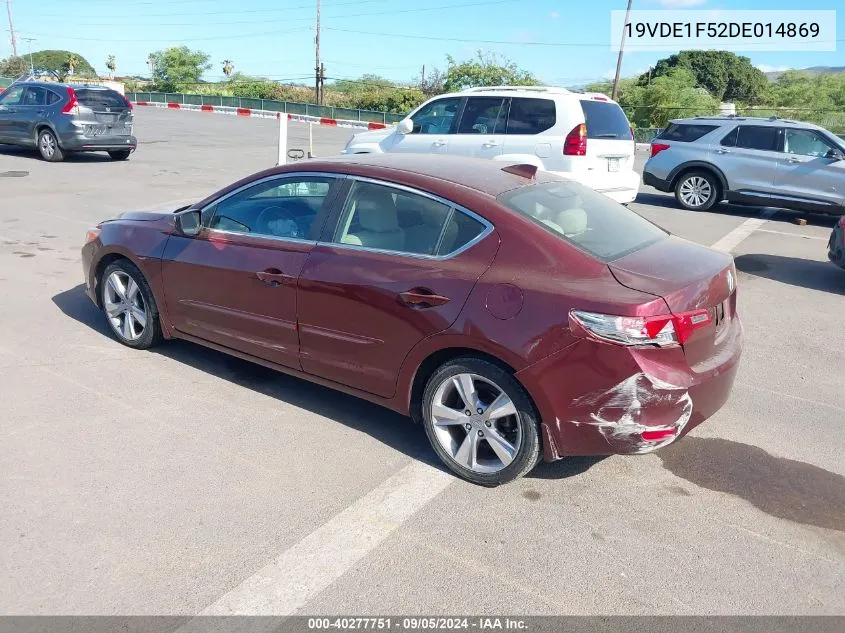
12,96
757,137
483,115
384,218
805,143
531,116
34,96
436,117
283,208
586,219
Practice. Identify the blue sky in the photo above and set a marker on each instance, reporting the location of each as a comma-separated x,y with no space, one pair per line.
274,38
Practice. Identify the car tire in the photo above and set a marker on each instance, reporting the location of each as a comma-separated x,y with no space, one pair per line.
697,190
48,146
472,446
120,154
121,301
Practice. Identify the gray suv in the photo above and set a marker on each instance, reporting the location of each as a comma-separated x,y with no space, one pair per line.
768,162
60,118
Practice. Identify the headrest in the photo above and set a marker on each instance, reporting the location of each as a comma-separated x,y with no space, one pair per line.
376,211
572,221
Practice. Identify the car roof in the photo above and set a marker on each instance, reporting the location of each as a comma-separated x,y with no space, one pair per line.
750,120
529,91
482,175
57,84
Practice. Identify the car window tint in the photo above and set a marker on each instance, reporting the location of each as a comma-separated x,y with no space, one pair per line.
606,120
483,115
730,139
805,143
12,96
52,97
96,99
685,133
284,208
587,219
757,137
34,96
385,218
436,117
530,116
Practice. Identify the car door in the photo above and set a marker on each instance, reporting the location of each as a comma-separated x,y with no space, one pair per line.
30,111
481,130
806,172
433,124
9,101
234,284
397,268
748,156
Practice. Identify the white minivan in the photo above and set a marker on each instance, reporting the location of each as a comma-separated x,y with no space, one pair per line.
580,135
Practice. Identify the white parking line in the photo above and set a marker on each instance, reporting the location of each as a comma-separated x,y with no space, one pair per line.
732,239
315,562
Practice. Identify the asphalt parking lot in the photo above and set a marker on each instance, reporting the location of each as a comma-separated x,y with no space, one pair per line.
181,481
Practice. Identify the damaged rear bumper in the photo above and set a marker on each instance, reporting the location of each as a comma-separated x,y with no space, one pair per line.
600,399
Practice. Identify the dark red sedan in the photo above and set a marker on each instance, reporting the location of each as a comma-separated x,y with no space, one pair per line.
515,314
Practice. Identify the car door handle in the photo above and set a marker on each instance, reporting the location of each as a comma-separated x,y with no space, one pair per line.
490,144
792,160
274,277
438,143
723,151
423,298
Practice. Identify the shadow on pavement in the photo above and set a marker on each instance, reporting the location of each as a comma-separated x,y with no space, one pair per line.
805,273
565,468
72,157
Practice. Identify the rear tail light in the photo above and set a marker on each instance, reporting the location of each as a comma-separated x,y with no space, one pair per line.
92,234
576,141
657,435
128,102
665,330
656,148
72,105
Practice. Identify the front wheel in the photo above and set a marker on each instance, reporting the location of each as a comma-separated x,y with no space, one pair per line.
481,422
121,154
129,305
697,190
48,147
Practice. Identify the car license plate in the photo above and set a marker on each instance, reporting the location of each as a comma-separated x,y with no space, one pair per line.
612,164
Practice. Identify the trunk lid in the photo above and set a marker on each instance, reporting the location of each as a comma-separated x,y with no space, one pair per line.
610,143
107,107
689,277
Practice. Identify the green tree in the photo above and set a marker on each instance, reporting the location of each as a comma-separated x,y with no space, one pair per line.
725,75
178,66
485,70
55,63
111,64
13,67
432,83
673,95
228,67
71,63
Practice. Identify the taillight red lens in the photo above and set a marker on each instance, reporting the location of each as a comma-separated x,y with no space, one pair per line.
92,234
128,102
665,330
657,435
72,105
576,141
656,148
688,322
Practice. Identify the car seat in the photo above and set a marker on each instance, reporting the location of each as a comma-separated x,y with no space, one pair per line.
378,220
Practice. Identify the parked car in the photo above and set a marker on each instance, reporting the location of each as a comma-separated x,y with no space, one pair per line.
61,118
515,313
771,162
836,244
582,136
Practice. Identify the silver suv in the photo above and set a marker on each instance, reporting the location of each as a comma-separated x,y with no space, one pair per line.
60,118
768,162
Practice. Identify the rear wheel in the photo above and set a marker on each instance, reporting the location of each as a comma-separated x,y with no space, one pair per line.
129,305
48,146
481,422
697,190
121,154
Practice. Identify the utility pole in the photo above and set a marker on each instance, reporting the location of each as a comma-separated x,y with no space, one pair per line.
621,50
318,87
11,28
29,41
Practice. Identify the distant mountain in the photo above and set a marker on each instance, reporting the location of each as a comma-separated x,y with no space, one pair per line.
813,70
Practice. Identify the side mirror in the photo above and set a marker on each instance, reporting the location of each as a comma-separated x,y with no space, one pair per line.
189,222
405,126
835,154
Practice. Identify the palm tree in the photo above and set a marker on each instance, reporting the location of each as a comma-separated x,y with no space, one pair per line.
111,64
72,62
228,67
151,62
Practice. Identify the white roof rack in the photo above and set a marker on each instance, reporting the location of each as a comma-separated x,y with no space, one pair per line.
546,89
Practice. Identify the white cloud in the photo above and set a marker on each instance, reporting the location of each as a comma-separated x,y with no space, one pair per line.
772,69
680,4
554,15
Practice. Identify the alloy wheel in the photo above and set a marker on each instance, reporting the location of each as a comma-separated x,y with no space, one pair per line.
47,145
123,302
696,191
476,423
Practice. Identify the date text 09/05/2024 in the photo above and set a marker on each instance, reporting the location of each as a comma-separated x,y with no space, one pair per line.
417,623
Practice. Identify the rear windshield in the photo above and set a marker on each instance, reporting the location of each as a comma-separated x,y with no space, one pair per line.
685,132
585,218
96,99
606,120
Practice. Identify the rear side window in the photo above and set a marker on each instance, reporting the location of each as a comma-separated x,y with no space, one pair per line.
686,132
52,97
97,99
606,120
531,116
757,137
586,219
483,115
